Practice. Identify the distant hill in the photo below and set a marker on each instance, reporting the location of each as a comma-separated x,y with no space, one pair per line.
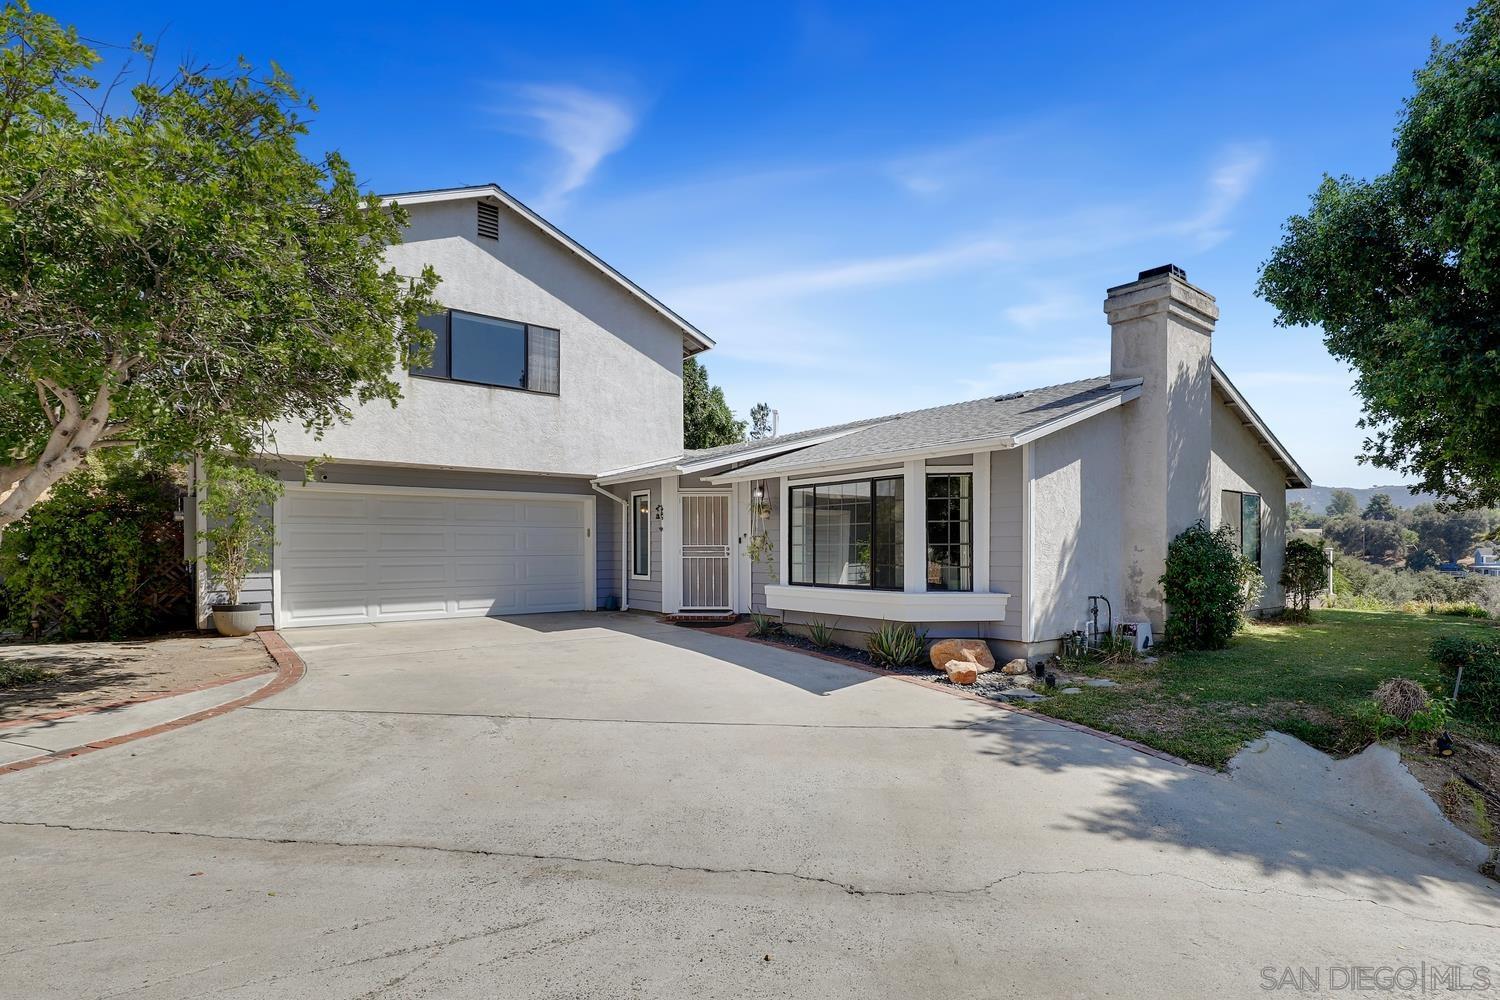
1316,499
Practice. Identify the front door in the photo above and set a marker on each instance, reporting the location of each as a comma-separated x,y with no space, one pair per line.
705,552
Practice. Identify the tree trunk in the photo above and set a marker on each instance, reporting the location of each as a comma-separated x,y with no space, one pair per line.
75,433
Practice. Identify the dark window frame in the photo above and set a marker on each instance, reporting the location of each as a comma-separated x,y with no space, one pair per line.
868,480
445,344
928,522
640,546
1239,524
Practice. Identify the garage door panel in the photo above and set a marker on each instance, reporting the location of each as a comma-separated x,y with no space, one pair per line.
560,515
304,505
413,539
303,541
379,557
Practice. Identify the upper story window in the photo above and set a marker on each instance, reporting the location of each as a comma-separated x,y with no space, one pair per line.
1241,511
950,527
486,350
848,534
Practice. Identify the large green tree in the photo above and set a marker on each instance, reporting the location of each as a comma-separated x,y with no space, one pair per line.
707,421
175,274
1402,273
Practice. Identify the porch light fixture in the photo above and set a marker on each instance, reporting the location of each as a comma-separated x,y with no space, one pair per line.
759,493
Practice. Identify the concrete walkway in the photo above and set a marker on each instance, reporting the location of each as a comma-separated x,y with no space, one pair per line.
33,739
598,805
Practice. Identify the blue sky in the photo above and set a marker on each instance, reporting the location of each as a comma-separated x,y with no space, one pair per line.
877,207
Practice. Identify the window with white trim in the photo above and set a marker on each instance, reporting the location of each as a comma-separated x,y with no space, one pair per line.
950,531
640,535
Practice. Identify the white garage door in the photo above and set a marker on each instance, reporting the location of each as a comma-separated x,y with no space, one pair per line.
403,555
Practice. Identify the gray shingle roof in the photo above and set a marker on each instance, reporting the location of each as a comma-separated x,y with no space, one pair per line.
978,420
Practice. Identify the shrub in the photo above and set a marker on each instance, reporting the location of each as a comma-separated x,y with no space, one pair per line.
1478,657
821,633
764,626
15,673
101,557
1304,572
1205,586
897,645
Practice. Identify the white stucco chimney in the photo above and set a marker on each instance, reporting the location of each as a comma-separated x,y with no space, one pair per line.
1161,331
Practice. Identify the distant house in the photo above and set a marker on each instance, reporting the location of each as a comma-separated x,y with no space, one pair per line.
1486,562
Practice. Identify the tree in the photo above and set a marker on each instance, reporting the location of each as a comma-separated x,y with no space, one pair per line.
1420,559
760,421
1298,515
1341,502
1403,275
1449,533
178,277
1304,573
1380,508
1346,532
707,421
1386,540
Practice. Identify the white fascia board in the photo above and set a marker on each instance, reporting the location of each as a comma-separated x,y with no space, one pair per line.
631,472
702,340
889,605
1302,479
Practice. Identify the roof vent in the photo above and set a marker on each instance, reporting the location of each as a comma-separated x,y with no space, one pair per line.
489,220
1009,396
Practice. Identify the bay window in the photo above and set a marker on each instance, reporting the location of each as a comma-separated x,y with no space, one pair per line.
848,534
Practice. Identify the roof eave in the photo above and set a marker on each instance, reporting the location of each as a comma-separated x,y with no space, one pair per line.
1297,478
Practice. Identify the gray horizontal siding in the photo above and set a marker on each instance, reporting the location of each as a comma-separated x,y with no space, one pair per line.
643,595
607,553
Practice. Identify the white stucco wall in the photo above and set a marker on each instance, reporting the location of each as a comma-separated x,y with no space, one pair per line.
1076,518
1242,463
620,400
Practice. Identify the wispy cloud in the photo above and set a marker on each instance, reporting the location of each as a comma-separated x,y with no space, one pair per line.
1228,184
584,126
840,275
1050,308
1091,358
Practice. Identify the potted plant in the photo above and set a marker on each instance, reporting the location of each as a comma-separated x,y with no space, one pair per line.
238,539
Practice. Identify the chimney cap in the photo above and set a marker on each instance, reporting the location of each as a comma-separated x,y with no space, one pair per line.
1171,269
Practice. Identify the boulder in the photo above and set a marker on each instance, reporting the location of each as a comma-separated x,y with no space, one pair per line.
1016,666
974,651
961,671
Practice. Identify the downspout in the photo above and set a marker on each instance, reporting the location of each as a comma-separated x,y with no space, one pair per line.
624,541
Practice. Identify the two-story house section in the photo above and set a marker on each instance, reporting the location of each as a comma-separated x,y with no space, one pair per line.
473,496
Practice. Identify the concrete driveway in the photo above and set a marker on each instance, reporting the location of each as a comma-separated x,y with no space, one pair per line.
599,805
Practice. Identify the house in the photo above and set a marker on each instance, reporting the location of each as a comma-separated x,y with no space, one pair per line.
1486,563
474,495
997,517
538,466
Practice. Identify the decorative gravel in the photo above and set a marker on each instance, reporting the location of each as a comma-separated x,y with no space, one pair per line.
990,685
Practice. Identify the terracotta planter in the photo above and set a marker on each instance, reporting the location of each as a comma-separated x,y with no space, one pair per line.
236,619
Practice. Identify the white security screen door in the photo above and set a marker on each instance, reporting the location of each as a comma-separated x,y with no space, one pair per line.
705,552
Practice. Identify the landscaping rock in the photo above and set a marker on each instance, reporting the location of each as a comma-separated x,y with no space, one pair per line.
961,671
1098,682
1071,691
1021,681
1017,666
974,651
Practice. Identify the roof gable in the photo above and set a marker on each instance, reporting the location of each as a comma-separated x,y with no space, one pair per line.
694,340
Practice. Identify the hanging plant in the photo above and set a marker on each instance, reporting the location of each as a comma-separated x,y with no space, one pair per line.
761,549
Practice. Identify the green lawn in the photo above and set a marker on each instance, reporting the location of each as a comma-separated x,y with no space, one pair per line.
1299,679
